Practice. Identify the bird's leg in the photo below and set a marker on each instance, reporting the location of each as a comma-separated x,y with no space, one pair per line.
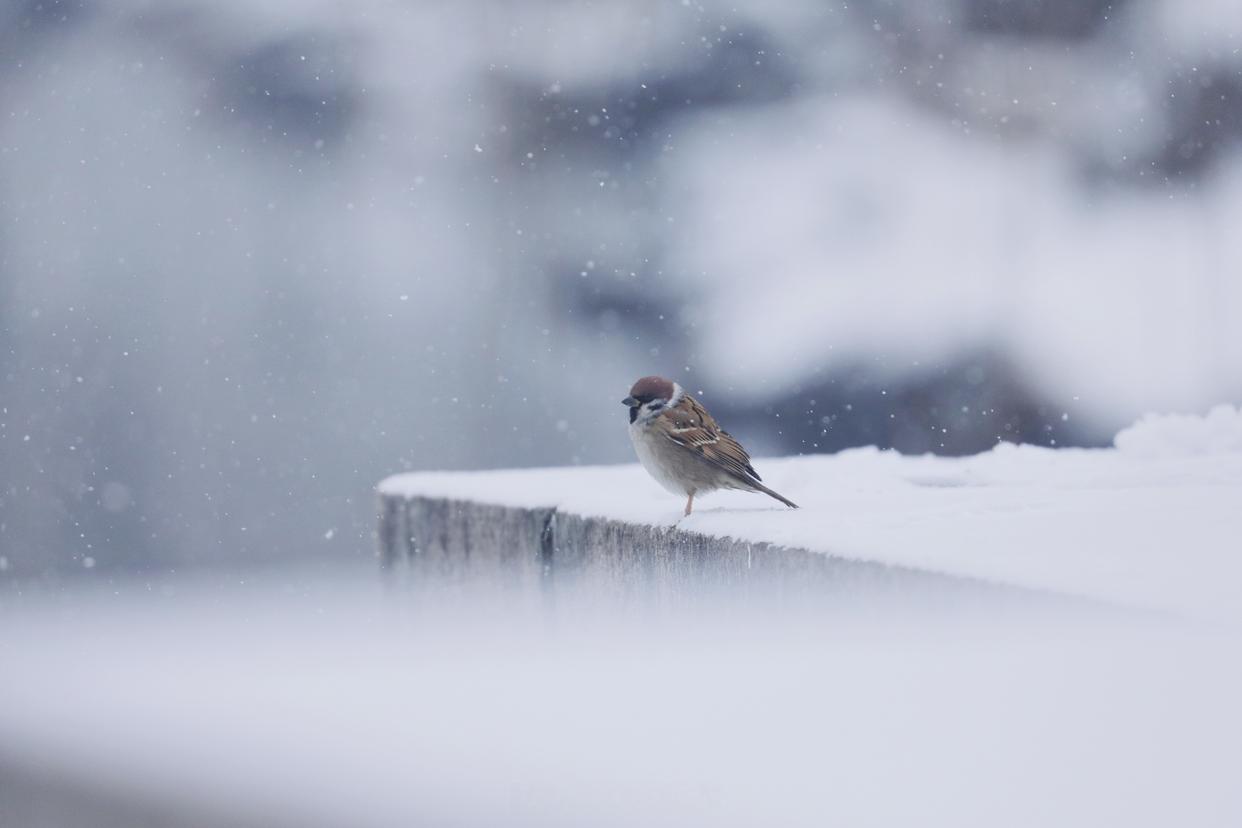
689,503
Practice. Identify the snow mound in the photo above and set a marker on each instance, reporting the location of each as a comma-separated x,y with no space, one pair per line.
1184,435
1153,523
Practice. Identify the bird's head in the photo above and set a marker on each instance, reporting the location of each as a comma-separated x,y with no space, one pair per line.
649,396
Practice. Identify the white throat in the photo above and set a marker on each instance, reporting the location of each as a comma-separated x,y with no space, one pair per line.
652,446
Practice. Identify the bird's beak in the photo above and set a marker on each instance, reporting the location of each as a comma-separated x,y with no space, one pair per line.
631,402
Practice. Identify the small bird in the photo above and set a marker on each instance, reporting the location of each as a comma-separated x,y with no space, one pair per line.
680,445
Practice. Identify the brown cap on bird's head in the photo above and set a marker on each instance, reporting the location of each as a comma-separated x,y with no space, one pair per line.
653,387
650,388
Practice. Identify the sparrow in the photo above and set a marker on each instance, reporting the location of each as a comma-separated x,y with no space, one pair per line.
680,445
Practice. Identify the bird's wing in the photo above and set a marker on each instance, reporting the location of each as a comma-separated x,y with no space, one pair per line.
690,426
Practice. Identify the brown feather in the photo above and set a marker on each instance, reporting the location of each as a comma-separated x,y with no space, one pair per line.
693,429
689,428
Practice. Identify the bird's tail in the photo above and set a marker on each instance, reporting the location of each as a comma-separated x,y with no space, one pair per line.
759,487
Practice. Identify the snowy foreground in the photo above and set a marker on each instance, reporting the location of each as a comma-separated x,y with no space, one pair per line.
1155,522
329,697
330,702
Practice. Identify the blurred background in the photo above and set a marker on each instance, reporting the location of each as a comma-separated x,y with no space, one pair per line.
254,256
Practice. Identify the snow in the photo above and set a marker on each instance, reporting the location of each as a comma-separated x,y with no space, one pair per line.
1210,33
892,239
1184,435
335,702
329,698
1152,523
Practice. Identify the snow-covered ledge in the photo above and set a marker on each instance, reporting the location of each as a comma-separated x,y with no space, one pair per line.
1154,522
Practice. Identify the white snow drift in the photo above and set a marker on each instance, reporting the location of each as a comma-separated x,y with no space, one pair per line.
1154,522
